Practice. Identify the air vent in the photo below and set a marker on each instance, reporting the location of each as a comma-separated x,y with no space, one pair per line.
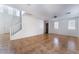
68,13
27,14
29,4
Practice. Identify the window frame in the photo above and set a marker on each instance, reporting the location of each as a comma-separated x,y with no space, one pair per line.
71,25
56,25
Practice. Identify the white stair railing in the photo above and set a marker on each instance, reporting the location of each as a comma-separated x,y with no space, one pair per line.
15,28
17,25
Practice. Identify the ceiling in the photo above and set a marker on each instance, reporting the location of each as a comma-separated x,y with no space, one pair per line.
47,11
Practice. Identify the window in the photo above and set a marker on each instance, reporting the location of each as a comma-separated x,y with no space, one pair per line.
71,24
10,10
17,12
56,25
23,12
1,8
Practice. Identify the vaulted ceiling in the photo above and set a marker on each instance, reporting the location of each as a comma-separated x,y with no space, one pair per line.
48,11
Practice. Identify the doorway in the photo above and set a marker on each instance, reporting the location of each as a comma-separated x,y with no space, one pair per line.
46,28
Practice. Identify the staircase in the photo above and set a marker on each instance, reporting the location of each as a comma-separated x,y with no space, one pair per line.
15,28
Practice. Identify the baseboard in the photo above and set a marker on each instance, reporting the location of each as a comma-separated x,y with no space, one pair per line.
4,33
26,37
65,35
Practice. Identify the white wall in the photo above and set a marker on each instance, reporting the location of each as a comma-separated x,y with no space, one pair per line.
78,27
6,21
1,25
63,26
31,26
